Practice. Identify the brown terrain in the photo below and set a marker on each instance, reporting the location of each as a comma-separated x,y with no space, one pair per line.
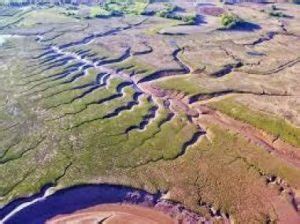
114,214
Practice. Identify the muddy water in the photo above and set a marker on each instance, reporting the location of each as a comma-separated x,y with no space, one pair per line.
95,202
44,206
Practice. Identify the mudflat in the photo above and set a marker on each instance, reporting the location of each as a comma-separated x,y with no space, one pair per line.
114,214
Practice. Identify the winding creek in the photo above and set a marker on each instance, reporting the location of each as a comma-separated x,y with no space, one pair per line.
49,203
74,79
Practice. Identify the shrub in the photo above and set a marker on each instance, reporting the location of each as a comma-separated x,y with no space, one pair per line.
168,12
230,20
99,12
191,19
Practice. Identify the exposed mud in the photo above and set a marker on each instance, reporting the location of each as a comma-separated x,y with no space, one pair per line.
114,213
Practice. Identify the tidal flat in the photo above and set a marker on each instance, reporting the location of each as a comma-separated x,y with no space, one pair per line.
194,106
